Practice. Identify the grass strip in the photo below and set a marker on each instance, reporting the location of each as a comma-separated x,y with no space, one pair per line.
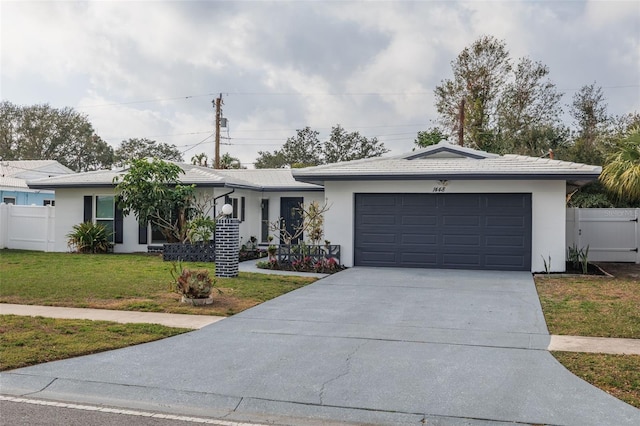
587,306
618,375
28,341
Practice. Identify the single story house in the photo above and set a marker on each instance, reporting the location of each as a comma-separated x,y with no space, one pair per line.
15,174
447,206
258,197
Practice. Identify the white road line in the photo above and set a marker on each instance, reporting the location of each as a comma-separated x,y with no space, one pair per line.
127,412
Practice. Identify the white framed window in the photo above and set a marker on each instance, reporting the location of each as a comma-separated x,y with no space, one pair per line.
9,200
51,203
105,212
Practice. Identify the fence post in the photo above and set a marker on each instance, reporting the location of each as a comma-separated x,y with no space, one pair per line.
49,217
4,225
637,236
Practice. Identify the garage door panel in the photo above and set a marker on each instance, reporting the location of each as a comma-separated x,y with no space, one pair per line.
409,202
508,241
450,240
419,220
505,221
459,220
460,201
380,219
456,260
377,200
502,201
472,231
420,261
505,261
374,238
419,239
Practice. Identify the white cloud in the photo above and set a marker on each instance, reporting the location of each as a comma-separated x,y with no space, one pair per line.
286,65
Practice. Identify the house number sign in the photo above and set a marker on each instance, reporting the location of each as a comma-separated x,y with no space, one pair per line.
441,187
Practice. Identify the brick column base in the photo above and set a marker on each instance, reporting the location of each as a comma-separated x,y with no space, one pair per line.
227,247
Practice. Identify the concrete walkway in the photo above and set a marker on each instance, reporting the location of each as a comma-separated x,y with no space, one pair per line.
558,343
193,322
367,345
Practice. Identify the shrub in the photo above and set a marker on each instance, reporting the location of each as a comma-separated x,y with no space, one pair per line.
194,283
89,237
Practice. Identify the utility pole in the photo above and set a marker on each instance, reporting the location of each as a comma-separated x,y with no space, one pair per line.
218,104
461,125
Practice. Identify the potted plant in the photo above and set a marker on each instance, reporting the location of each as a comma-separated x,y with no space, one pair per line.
272,249
194,285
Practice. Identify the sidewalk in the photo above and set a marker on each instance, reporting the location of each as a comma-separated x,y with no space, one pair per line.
169,320
558,343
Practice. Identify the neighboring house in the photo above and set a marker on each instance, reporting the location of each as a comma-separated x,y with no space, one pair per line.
258,197
15,174
446,206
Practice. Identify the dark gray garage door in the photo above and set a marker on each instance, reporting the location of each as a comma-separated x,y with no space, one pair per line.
462,231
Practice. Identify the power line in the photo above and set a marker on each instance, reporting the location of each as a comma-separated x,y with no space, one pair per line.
239,93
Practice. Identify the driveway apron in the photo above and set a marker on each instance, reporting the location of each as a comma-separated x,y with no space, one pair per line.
367,345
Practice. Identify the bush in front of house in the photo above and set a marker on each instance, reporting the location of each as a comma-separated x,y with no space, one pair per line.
89,237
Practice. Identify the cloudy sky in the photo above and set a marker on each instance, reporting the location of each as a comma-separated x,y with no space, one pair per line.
150,69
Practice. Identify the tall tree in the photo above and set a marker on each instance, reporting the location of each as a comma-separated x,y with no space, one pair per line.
136,148
270,160
506,108
40,132
479,75
229,162
200,160
529,111
593,125
305,149
429,137
343,146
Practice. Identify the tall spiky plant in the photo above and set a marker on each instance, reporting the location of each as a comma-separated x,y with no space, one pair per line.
621,173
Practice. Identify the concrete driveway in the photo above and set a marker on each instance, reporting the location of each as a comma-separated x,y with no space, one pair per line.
367,345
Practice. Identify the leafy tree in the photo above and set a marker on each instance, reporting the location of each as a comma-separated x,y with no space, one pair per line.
270,160
137,148
429,137
151,190
621,174
506,108
479,73
529,111
229,162
305,149
200,160
40,132
301,150
592,137
343,146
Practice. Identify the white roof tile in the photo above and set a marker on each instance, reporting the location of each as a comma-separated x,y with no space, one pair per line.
261,179
449,161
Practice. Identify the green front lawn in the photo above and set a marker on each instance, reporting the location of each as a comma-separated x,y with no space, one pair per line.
27,341
137,282
597,307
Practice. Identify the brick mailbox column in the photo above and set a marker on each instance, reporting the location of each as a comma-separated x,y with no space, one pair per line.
227,246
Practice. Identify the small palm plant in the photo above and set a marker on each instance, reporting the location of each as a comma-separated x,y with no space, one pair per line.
621,174
89,237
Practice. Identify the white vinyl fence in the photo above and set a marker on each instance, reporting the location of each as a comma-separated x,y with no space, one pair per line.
27,227
613,235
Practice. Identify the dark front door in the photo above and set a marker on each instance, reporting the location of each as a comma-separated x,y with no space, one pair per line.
458,231
291,217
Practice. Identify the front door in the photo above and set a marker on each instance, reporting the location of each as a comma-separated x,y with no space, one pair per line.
291,217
